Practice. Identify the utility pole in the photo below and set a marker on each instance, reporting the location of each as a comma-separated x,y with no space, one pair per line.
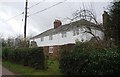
25,24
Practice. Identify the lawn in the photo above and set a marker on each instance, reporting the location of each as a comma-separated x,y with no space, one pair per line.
24,70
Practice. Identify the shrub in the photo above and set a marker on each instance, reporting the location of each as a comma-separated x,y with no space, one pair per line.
36,57
5,53
85,61
33,57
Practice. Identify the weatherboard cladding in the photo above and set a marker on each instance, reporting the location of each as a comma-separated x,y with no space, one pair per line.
67,27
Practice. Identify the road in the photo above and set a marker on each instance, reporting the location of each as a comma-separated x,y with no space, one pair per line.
0,69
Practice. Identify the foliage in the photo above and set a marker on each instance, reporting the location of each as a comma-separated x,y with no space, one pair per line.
4,44
86,61
33,57
5,53
115,19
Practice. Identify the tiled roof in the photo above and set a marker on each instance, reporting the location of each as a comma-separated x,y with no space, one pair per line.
67,27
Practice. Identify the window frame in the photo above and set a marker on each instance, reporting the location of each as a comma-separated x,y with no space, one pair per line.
64,34
76,32
50,37
42,39
51,49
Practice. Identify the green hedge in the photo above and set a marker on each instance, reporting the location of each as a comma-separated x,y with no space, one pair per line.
5,53
85,61
33,57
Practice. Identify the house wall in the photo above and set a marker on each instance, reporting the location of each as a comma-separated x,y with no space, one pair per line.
56,50
58,40
51,55
67,42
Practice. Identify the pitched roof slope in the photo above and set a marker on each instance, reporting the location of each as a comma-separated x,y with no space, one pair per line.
66,27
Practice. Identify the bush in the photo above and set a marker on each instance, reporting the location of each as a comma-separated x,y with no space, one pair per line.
33,57
36,58
85,61
5,53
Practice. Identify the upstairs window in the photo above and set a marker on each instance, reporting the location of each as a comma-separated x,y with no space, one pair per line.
82,29
50,37
75,32
42,38
51,49
64,34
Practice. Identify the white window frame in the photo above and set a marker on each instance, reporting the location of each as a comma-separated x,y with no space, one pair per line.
64,34
51,49
75,32
42,39
50,37
82,29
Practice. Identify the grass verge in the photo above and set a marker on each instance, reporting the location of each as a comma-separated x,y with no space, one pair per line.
24,70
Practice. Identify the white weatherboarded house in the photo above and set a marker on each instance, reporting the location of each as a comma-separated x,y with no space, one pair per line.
65,34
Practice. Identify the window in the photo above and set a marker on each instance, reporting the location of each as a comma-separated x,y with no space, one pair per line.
33,44
50,37
51,49
73,32
82,29
42,38
76,32
64,34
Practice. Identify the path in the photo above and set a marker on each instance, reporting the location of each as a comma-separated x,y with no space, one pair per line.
0,69
5,71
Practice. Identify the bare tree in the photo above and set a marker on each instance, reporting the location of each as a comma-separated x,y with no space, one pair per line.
1,35
19,41
89,16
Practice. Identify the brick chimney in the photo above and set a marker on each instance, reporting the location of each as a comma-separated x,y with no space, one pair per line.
105,18
57,23
106,24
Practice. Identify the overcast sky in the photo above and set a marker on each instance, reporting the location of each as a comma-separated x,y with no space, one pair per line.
40,22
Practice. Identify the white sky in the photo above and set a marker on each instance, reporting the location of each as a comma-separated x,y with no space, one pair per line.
44,20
